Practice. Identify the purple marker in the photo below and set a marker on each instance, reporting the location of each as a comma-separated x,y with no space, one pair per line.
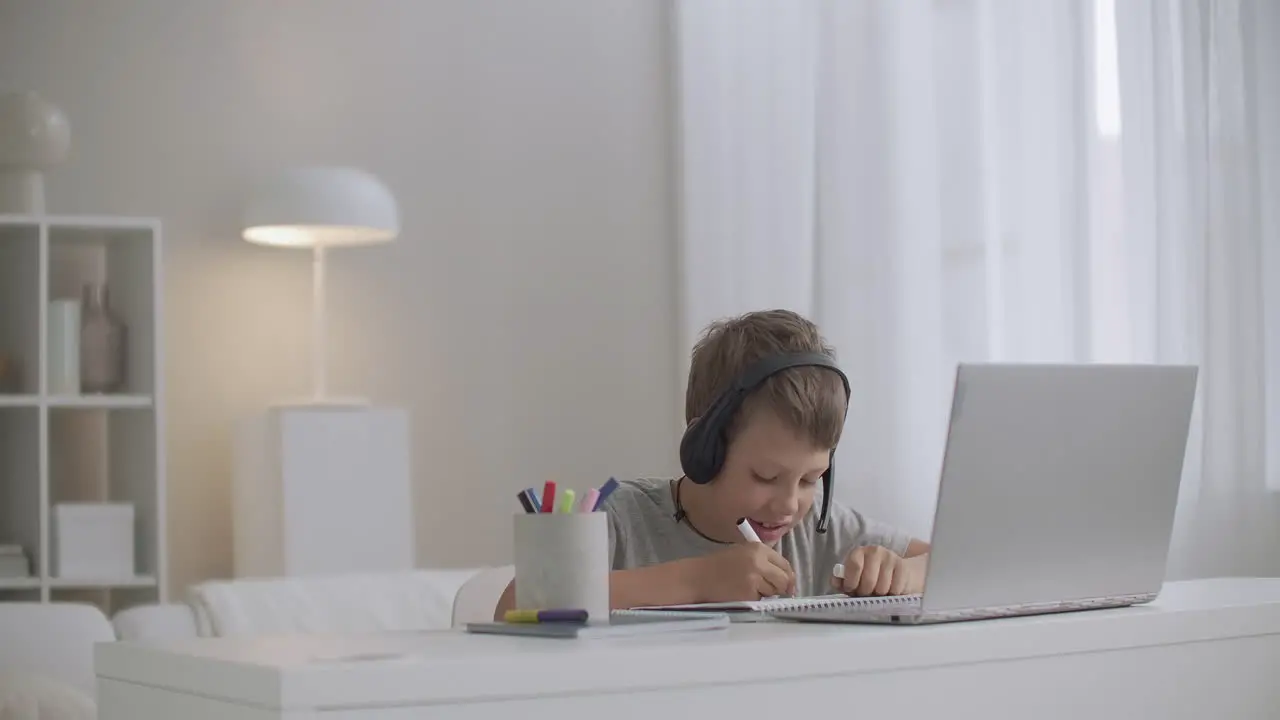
605,491
538,616
562,616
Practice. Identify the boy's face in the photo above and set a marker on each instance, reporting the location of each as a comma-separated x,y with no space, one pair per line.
770,476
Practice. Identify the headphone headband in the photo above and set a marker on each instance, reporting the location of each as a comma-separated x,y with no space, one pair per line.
705,444
768,366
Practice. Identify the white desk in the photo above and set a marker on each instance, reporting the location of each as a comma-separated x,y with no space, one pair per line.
1204,649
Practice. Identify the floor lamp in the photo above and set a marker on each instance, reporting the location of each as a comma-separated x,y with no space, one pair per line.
321,208
305,468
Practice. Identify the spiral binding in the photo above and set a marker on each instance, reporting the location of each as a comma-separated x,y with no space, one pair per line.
672,614
822,602
828,602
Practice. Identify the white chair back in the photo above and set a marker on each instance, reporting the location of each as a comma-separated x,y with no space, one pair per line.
478,596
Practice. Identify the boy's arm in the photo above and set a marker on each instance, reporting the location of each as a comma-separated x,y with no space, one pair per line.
849,529
863,544
665,584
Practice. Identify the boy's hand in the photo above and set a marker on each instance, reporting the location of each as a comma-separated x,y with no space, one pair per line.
874,570
745,571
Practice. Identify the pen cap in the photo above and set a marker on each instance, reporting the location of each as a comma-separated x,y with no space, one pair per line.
562,561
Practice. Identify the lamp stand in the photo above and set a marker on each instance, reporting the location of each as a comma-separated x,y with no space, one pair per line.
319,325
316,463
320,342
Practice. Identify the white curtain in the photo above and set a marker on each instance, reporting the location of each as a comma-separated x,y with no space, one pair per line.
935,181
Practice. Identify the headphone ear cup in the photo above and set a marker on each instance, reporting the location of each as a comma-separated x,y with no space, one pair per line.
702,448
712,452
691,460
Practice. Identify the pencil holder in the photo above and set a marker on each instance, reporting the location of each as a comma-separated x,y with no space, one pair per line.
562,562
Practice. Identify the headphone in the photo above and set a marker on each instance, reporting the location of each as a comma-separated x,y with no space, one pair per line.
704,445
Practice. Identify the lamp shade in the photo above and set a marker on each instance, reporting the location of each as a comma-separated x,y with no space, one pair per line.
321,207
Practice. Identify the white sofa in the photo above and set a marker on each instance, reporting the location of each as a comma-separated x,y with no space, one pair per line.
46,649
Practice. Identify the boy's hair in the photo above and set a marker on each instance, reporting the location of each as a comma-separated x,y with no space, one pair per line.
809,400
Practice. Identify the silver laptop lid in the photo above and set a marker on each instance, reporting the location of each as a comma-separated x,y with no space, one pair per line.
1059,483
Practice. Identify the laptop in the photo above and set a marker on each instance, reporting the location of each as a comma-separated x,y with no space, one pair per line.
1058,490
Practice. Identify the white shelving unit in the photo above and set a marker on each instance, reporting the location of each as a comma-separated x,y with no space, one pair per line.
81,448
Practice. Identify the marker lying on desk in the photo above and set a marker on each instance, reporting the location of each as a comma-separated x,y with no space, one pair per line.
541,616
605,491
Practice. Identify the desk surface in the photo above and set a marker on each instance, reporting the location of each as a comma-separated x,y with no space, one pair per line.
319,671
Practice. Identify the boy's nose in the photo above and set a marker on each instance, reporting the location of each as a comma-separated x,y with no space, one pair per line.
786,504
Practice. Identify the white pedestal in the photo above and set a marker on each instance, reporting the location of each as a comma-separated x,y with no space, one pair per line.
323,490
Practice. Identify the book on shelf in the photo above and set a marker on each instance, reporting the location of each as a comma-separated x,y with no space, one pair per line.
13,562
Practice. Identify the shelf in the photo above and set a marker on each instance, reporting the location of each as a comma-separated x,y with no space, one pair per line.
9,220
59,444
90,222
20,583
108,455
108,402
124,257
20,319
140,581
19,401
20,496
56,583
94,224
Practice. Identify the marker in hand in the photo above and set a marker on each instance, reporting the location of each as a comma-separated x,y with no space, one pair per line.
748,532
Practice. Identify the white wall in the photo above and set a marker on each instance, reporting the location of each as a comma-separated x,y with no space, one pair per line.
526,316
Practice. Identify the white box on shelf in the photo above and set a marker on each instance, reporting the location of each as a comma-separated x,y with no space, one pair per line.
93,541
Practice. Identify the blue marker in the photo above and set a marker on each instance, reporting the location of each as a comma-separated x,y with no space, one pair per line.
532,496
526,501
605,491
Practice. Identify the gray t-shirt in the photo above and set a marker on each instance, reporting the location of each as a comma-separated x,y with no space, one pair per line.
643,531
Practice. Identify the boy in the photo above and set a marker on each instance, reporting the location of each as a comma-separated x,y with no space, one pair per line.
673,541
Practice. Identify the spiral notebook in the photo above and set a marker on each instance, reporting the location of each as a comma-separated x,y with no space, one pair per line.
760,609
